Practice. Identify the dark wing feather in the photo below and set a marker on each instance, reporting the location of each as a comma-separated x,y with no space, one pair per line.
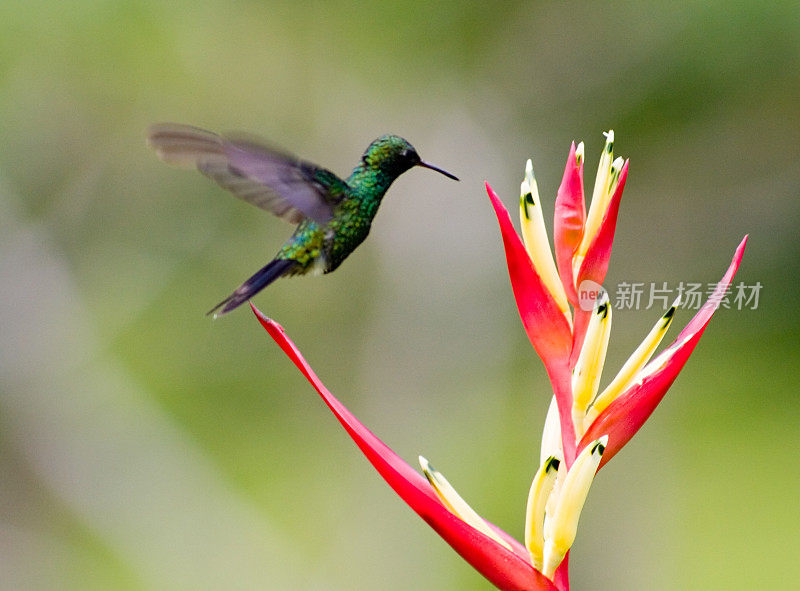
266,177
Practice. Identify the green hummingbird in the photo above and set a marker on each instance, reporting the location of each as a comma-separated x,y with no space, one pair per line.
333,215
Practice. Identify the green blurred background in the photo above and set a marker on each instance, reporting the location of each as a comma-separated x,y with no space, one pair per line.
146,447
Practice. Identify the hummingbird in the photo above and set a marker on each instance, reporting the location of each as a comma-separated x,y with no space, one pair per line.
333,215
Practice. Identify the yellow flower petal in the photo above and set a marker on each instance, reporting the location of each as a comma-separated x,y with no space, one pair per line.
534,235
562,524
586,375
600,193
458,506
541,487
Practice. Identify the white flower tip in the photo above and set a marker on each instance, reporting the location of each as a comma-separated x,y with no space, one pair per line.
526,199
676,304
601,305
551,464
609,140
579,153
529,168
666,319
551,435
602,310
424,464
599,446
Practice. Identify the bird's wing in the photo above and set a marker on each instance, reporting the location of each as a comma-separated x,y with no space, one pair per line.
247,167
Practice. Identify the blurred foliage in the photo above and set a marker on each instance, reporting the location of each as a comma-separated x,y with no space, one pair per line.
143,446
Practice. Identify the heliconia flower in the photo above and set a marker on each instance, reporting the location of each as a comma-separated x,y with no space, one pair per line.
580,418
585,425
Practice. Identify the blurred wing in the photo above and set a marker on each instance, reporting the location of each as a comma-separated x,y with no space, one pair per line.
266,177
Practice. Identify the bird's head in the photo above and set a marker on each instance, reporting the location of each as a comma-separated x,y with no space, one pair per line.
393,155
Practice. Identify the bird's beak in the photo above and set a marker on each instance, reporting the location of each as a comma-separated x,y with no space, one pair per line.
437,169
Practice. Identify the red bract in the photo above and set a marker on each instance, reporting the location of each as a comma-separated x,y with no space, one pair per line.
508,570
570,219
547,328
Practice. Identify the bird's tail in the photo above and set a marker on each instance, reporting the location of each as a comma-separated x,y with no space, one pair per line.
252,286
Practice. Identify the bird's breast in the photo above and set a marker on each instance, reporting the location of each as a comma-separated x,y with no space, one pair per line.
350,231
